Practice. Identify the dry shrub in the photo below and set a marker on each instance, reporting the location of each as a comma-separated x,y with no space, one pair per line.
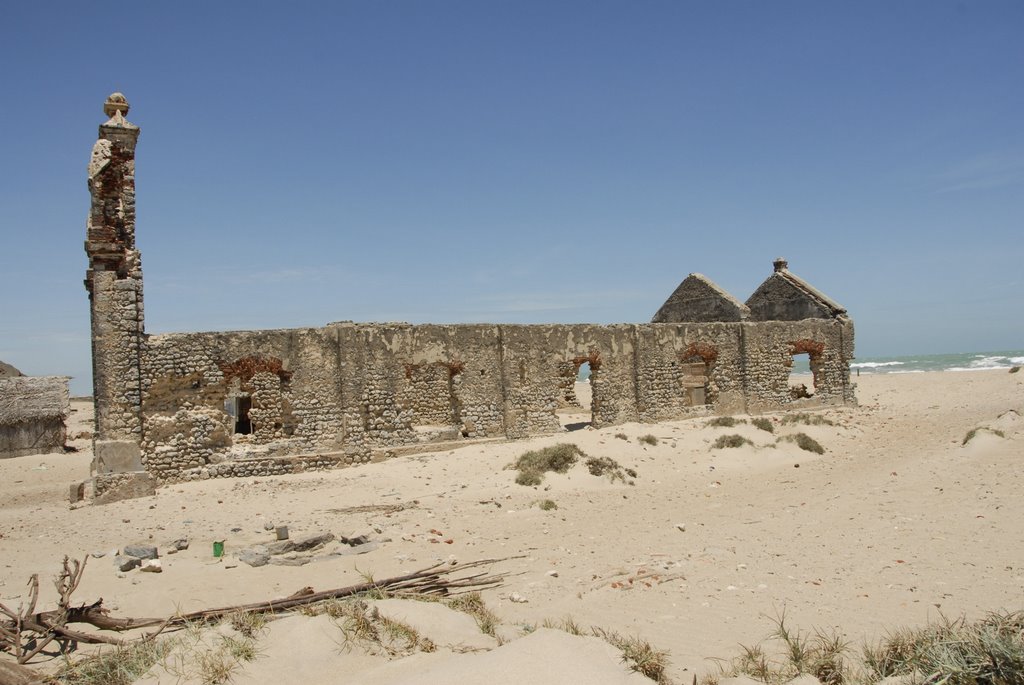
734,440
649,439
807,419
534,464
725,422
989,651
763,423
638,654
971,434
606,466
804,442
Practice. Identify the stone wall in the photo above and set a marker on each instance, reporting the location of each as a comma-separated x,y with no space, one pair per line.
358,389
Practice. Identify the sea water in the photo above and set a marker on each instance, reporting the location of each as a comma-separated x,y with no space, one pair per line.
915,363
960,361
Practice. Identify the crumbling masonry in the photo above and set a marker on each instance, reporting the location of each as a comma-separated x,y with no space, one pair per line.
185,406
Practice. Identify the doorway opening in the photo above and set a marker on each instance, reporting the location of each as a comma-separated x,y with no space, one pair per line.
577,411
804,368
801,380
243,424
696,367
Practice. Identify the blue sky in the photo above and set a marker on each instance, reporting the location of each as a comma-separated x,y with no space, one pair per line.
302,163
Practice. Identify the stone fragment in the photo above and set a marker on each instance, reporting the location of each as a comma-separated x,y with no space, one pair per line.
97,555
125,563
290,561
517,598
345,550
312,542
280,547
140,551
357,540
254,556
281,532
76,492
151,566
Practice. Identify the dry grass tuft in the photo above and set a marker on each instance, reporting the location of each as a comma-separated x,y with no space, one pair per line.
725,422
534,464
120,666
804,442
734,440
818,654
606,466
807,419
973,433
473,604
196,653
649,439
638,654
763,423
989,651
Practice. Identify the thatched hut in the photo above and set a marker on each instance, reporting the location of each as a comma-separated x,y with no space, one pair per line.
33,411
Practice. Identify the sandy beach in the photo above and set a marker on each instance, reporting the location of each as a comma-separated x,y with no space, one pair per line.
896,522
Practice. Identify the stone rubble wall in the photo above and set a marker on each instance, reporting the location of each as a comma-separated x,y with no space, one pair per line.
355,389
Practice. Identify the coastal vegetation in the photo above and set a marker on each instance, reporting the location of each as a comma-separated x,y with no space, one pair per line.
534,464
954,651
734,440
806,419
973,433
804,442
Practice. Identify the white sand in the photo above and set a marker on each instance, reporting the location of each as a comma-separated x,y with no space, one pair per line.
895,522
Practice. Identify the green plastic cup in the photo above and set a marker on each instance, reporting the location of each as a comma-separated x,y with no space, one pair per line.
218,548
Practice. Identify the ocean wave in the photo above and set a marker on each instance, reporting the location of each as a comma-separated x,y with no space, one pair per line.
874,365
963,361
983,361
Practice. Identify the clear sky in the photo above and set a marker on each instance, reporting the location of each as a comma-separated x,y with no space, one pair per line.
445,161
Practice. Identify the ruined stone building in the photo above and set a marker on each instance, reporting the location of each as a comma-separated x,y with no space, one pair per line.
33,413
197,405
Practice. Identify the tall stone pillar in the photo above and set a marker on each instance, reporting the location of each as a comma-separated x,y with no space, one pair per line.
114,283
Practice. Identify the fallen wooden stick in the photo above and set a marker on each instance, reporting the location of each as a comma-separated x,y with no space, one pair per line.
23,627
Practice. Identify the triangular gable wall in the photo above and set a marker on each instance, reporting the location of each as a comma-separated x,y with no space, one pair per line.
786,297
699,299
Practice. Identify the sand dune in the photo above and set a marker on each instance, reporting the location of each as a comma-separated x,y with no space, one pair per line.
896,521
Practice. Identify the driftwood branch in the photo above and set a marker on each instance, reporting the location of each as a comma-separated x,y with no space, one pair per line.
26,632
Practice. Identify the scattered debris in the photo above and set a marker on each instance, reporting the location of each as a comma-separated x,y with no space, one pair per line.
26,632
140,551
